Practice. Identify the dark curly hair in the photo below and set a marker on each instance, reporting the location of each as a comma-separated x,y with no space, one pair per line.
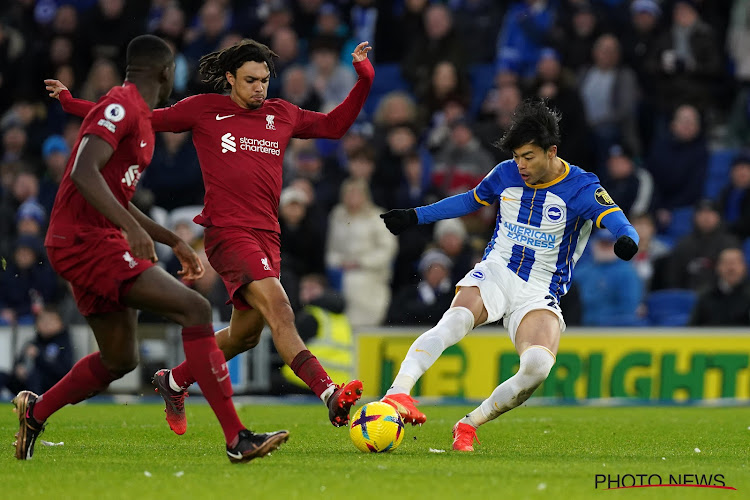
214,66
533,122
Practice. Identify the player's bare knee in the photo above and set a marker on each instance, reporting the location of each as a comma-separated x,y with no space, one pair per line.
197,310
122,365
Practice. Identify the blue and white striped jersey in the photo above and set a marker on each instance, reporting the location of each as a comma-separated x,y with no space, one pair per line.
541,230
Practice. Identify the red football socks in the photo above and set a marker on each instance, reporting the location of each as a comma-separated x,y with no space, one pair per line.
182,376
87,378
207,364
307,367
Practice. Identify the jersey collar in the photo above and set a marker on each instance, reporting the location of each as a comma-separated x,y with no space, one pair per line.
553,181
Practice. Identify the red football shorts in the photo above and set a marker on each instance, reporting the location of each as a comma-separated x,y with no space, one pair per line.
99,266
241,255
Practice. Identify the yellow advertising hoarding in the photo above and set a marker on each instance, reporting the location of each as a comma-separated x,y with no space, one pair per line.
674,365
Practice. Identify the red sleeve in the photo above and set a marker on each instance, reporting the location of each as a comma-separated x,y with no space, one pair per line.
73,106
111,120
179,117
334,125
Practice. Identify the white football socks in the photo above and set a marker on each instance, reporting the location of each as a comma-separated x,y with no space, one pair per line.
536,362
452,327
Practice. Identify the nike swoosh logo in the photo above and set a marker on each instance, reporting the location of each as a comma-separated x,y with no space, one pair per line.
420,350
144,144
222,379
219,117
237,455
505,198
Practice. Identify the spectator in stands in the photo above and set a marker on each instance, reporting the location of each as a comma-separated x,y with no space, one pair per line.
213,24
451,238
400,141
15,145
27,283
610,288
462,161
579,27
306,162
687,60
650,261
478,23
557,85
638,42
31,219
55,152
361,250
279,17
495,115
727,303
609,91
286,44
734,199
446,84
174,176
692,262
296,88
415,190
24,186
43,361
361,165
329,76
626,182
526,27
425,302
395,108
302,241
12,48
678,163
109,28
102,76
438,42
170,26
323,326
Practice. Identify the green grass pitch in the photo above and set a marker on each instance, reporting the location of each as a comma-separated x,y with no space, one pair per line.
553,452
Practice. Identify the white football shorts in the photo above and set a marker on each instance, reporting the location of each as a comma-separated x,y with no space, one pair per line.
508,297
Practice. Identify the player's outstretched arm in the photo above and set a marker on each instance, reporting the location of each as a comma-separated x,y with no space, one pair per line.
335,124
71,105
93,153
191,263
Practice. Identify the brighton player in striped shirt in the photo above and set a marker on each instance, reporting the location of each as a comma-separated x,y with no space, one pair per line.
240,138
547,209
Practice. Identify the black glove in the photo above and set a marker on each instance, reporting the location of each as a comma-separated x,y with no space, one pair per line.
399,220
625,247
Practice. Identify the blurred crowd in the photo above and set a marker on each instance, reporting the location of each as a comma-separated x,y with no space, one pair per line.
654,95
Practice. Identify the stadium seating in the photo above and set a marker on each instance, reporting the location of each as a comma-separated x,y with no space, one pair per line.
682,224
717,175
482,78
671,307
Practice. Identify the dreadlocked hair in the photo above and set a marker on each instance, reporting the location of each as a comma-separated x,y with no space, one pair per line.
214,66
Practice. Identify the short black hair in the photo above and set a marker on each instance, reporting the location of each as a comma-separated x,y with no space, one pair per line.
148,51
214,66
533,122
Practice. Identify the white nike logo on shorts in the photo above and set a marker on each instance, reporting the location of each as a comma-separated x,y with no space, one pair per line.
219,117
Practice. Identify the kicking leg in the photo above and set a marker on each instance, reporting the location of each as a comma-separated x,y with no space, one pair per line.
466,311
537,339
269,298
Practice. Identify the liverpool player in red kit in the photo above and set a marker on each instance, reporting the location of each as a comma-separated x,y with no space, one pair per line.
103,245
240,139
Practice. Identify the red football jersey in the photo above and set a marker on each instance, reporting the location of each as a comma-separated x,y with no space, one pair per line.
241,150
123,119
